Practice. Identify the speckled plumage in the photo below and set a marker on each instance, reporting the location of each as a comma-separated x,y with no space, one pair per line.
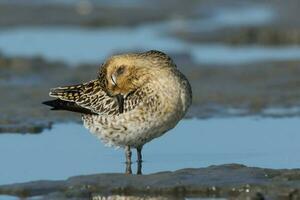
156,95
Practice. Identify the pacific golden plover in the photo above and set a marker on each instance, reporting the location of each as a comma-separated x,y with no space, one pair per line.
136,97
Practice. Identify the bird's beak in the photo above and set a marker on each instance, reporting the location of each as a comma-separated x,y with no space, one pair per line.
114,79
120,100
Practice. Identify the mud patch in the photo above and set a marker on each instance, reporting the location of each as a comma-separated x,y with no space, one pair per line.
217,91
230,181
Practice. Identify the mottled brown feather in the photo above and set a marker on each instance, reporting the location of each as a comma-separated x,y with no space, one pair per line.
155,95
92,96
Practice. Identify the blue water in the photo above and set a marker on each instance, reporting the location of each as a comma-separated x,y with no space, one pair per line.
221,54
6,197
227,16
76,45
69,149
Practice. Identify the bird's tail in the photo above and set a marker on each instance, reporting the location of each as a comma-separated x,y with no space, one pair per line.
59,104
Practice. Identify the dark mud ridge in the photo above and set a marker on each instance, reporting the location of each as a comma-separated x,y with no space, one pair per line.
246,36
231,181
263,89
283,29
87,14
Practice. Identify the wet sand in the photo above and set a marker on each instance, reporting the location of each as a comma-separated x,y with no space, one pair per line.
70,150
280,27
217,91
90,15
261,88
231,181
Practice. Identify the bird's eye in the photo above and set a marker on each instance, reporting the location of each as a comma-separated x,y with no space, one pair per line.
117,73
120,70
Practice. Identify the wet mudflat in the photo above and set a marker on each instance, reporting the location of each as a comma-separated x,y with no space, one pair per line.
227,80
242,59
223,181
69,150
264,89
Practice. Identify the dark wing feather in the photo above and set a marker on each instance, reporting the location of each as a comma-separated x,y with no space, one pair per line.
92,96
58,104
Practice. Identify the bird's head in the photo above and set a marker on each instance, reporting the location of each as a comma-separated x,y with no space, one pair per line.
125,73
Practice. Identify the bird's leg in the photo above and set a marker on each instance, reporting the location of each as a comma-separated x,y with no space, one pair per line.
139,160
128,160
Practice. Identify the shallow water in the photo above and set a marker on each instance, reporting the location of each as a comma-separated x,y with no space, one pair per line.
76,45
245,14
6,197
69,150
221,54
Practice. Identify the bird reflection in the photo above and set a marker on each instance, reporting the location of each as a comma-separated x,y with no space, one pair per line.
121,197
128,169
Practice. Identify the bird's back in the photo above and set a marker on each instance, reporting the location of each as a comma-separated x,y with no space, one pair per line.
158,107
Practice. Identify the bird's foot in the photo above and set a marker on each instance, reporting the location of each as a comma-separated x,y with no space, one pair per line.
128,168
139,168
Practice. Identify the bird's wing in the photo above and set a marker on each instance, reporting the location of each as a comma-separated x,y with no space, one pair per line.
93,97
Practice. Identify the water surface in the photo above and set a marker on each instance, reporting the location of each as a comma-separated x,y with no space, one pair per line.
76,45
69,149
7,197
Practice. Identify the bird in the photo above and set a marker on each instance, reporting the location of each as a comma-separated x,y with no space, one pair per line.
135,98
